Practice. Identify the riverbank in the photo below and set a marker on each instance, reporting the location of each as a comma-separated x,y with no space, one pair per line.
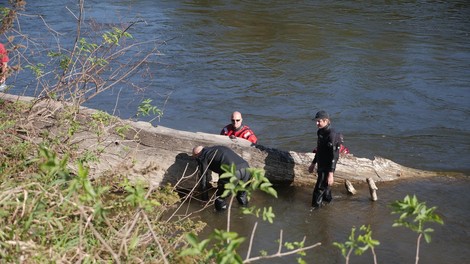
53,211
112,197
158,155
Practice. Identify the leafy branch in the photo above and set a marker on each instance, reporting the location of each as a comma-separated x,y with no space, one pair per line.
413,215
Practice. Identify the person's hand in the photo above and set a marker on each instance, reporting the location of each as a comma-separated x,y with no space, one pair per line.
311,168
232,137
330,178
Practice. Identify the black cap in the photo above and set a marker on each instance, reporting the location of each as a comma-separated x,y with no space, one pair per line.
321,115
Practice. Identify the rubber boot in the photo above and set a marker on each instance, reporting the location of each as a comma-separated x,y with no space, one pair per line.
242,199
220,204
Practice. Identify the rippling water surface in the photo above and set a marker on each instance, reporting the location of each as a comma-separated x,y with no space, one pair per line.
394,75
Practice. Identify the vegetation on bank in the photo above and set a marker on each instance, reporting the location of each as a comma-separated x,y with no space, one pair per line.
51,211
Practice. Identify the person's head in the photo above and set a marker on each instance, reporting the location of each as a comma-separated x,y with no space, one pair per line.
197,151
322,119
237,119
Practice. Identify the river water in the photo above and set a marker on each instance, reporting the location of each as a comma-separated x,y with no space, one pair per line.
394,76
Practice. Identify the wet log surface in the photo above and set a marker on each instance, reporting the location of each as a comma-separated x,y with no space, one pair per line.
160,155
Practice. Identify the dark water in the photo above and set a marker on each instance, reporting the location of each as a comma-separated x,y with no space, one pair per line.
450,242
394,75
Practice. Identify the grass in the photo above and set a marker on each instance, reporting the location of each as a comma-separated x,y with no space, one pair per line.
51,211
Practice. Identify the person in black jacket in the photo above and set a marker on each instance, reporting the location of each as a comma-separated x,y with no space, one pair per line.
326,156
212,158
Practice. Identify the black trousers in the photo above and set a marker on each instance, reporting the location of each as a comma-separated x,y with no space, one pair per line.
321,192
241,174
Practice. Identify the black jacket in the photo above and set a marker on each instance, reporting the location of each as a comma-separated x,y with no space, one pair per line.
327,149
211,159
214,157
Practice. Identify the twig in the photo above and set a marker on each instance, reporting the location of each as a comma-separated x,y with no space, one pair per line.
251,240
417,248
155,238
98,236
277,255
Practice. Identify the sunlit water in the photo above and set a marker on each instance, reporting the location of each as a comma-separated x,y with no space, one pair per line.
393,75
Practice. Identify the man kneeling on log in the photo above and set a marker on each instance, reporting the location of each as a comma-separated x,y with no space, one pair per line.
212,158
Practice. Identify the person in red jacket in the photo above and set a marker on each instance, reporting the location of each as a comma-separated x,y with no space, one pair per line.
237,129
4,61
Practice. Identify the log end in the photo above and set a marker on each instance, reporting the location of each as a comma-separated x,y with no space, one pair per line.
349,187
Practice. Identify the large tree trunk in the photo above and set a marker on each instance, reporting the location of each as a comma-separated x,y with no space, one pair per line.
160,155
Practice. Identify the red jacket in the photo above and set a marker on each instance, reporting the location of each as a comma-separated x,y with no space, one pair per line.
3,54
242,132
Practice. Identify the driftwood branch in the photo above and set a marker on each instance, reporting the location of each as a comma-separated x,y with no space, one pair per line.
349,187
372,189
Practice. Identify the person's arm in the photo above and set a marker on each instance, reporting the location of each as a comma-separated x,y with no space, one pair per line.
203,172
248,134
330,178
335,154
252,137
311,168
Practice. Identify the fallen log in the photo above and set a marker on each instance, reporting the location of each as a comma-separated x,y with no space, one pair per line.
160,155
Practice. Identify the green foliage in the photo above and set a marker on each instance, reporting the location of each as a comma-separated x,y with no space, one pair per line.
52,168
51,210
7,124
36,69
225,243
366,240
122,130
359,245
48,220
100,120
114,36
257,181
88,156
414,214
224,250
98,60
146,108
64,60
74,126
297,245
20,150
87,47
137,196
102,117
87,50
4,12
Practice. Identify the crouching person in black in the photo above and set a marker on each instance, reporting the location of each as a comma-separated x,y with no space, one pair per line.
212,158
